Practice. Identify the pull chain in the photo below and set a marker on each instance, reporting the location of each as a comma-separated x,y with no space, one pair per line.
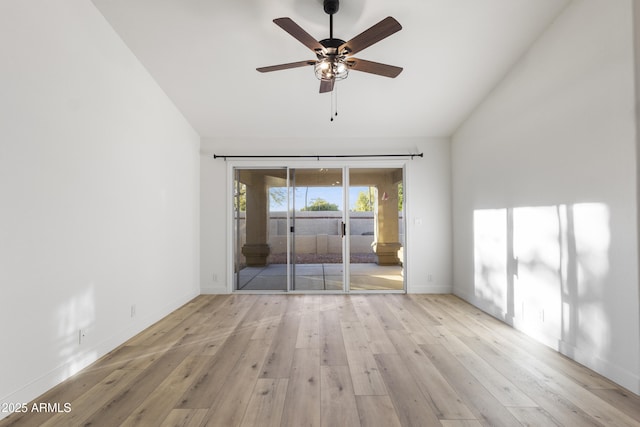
335,90
334,102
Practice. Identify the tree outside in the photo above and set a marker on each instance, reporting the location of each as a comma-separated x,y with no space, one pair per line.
366,200
320,204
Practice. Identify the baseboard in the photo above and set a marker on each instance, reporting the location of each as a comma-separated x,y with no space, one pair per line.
81,360
422,289
213,290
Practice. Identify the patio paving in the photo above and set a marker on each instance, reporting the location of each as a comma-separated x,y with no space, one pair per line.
317,277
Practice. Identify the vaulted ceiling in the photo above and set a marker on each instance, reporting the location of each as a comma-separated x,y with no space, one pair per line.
204,54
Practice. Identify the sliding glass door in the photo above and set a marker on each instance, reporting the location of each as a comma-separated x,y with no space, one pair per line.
316,229
376,224
260,229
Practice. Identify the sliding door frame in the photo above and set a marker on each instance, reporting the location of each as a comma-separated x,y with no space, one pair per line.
345,166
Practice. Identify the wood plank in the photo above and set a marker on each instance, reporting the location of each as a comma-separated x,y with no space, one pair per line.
268,325
383,313
431,304
583,398
229,406
411,305
565,386
364,369
295,304
118,408
161,400
377,411
412,408
184,418
378,341
344,306
157,332
485,326
333,352
201,344
403,308
266,403
137,357
337,400
557,405
201,339
229,315
302,403
432,384
263,310
533,416
460,423
208,383
278,361
88,403
486,408
624,400
497,384
309,330
266,331
70,390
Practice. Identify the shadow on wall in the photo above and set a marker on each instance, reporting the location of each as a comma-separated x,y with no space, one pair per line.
545,269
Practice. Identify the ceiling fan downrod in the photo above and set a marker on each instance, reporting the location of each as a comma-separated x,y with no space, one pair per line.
331,7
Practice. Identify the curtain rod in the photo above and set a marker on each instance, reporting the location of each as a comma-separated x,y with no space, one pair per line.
317,156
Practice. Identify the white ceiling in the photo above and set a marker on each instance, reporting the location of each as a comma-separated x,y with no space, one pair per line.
203,53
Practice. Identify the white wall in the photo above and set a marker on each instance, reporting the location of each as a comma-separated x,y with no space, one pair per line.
427,196
99,195
544,171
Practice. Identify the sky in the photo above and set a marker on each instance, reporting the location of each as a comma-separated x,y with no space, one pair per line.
330,194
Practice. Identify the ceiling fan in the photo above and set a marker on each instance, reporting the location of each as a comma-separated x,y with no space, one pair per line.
333,55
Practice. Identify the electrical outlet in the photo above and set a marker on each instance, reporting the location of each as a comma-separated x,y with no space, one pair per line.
430,277
215,277
82,334
133,310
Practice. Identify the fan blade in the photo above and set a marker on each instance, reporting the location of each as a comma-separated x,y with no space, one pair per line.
301,35
285,66
373,67
379,31
326,85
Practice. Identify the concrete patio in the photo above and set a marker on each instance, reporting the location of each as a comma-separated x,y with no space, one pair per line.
322,276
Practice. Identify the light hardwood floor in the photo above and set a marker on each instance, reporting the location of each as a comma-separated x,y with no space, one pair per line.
334,360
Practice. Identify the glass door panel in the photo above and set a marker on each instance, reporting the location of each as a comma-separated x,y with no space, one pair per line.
260,229
317,229
376,229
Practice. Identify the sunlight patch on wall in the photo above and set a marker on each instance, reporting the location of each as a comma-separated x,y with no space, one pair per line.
546,268
76,319
538,253
490,251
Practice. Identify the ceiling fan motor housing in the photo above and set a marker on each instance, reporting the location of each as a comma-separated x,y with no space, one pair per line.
331,6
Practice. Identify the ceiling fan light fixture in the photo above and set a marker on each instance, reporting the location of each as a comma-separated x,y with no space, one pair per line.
331,68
